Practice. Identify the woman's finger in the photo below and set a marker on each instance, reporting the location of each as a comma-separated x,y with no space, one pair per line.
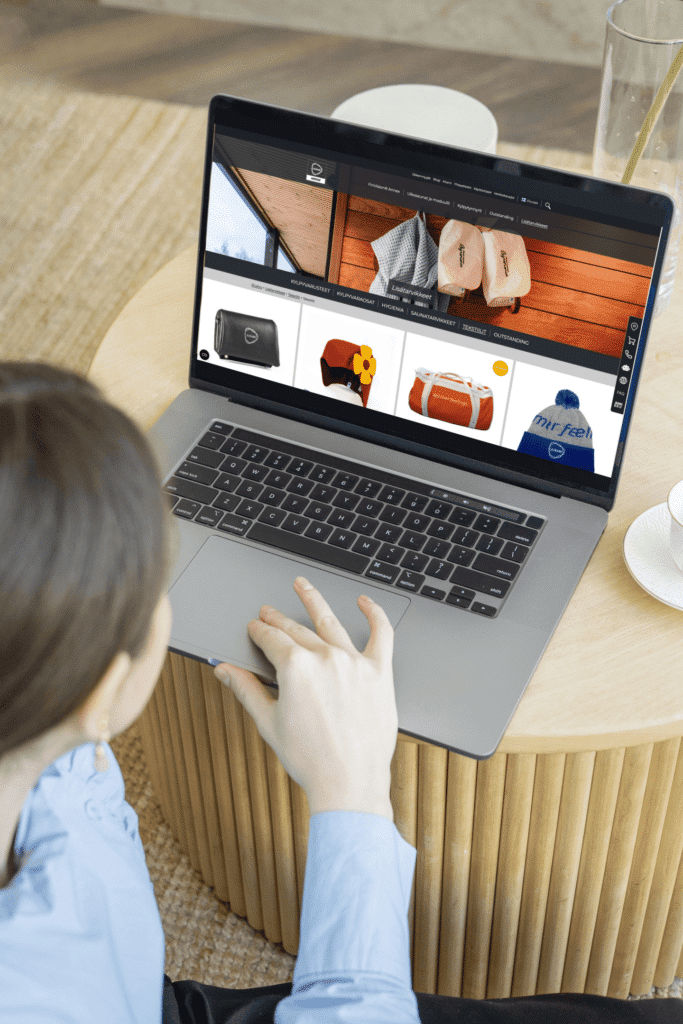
295,631
327,625
380,646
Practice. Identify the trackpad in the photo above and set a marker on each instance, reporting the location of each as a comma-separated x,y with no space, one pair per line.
226,584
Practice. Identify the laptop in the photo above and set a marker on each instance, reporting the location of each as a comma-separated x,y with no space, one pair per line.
411,374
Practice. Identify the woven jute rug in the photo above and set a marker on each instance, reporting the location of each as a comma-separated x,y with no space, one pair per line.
97,193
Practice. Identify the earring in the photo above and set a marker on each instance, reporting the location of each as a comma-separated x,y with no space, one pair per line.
101,761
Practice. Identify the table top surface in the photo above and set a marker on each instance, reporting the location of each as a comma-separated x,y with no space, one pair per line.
611,675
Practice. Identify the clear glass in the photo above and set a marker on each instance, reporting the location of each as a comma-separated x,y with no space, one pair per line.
641,42
232,227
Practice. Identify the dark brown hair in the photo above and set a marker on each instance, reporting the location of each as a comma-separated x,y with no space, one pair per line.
84,541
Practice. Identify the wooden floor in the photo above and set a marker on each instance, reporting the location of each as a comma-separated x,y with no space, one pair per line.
187,60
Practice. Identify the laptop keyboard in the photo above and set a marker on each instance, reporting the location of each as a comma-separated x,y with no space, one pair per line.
445,546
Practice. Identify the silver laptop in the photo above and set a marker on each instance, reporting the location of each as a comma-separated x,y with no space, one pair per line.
412,373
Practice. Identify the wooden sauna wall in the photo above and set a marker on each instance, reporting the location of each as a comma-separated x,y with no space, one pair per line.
576,298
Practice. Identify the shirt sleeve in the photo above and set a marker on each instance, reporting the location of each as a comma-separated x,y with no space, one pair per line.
353,964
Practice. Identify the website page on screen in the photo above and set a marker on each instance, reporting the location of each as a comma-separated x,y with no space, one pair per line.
478,310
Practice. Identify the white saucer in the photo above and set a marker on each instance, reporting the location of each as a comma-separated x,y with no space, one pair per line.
649,559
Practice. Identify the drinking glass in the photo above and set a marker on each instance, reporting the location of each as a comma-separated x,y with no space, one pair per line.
642,39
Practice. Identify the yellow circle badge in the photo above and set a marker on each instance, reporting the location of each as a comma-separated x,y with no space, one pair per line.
500,368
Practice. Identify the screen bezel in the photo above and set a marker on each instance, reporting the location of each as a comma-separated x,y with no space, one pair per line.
350,141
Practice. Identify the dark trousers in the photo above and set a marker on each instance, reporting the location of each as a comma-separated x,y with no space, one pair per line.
189,1002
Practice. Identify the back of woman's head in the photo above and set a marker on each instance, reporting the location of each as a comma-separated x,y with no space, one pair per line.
83,545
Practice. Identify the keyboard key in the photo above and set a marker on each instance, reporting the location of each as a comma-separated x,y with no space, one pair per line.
274,516
393,515
278,479
366,545
368,507
206,457
320,531
516,552
346,481
237,525
412,541
439,569
249,509
534,522
247,489
276,460
487,524
189,489
272,496
318,510
434,593
462,516
414,502
388,533
187,509
234,447
300,486
479,581
211,440
462,592
417,522
300,467
295,503
368,488
460,602
322,474
346,500
227,502
383,571
193,471
415,561
483,609
321,492
461,556
221,428
410,581
392,495
490,545
295,524
439,509
340,517
436,548
391,553
227,482
520,534
362,524
342,538
233,465
209,516
255,472
495,567
307,547
467,538
255,453
440,530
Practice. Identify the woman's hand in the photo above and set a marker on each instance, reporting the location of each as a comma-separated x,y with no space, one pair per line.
334,725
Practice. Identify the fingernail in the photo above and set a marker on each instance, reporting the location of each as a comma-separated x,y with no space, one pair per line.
303,583
221,672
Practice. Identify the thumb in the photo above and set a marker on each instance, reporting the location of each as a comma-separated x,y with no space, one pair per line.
251,694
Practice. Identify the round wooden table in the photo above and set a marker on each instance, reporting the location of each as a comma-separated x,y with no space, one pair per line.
554,866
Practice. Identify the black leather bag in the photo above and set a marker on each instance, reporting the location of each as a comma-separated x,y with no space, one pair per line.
246,339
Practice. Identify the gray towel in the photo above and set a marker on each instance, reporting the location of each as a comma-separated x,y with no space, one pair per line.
407,253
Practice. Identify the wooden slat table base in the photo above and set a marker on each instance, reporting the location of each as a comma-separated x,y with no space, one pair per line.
535,872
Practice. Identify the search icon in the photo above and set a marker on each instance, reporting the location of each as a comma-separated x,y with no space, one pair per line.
547,206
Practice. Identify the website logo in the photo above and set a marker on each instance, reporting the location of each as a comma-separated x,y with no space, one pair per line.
250,335
555,450
315,173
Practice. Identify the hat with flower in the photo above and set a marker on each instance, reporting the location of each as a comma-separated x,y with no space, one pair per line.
353,366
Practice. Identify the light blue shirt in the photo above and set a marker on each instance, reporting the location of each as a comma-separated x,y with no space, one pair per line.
81,938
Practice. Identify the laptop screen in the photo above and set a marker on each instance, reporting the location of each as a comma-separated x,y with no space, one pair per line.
487,313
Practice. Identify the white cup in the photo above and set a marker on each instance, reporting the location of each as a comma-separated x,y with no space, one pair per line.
429,112
675,503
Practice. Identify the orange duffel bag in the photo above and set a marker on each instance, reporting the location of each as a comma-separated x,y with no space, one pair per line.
451,398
